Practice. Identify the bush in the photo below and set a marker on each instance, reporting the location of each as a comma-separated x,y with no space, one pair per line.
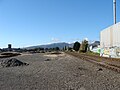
76,46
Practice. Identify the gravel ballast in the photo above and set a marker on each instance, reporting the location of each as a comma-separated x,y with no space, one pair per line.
63,72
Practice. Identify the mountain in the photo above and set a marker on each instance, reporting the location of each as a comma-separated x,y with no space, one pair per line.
53,45
95,44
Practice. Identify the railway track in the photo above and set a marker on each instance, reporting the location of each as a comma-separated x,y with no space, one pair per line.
104,62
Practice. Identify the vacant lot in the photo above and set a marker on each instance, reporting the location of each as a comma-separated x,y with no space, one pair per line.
57,72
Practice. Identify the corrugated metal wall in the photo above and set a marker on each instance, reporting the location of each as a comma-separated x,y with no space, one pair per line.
116,35
105,37
110,36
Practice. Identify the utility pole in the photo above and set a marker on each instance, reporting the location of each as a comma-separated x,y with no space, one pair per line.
114,10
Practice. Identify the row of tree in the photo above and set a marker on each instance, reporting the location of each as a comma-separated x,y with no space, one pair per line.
83,47
41,49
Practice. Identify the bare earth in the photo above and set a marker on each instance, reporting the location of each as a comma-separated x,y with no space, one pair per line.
57,72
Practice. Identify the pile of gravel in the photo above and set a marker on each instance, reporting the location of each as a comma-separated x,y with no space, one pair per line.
12,62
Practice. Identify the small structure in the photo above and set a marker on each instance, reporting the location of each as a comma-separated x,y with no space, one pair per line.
9,47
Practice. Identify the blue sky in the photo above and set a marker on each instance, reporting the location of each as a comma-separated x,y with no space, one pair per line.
35,22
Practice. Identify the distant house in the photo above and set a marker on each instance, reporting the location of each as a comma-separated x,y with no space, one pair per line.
9,47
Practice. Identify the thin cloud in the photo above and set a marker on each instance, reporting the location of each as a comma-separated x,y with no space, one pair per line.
55,40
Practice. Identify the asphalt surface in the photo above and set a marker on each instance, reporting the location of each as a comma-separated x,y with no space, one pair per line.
57,72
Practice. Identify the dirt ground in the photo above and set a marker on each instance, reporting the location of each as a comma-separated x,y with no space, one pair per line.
57,72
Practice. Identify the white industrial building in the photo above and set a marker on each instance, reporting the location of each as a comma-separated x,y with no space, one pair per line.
110,38
110,41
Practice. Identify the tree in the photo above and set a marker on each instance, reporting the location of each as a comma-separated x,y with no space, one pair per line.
46,49
84,46
57,48
76,46
65,48
70,49
41,48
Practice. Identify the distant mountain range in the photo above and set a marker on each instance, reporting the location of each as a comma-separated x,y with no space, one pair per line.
60,45
53,45
96,43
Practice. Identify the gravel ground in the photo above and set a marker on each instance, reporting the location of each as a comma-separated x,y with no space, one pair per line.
57,72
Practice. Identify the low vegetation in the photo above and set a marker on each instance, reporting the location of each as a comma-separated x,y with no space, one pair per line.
76,46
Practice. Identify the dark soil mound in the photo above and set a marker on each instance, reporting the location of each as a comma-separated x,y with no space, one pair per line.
8,54
12,62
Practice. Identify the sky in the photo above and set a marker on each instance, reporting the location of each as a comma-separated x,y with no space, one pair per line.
35,22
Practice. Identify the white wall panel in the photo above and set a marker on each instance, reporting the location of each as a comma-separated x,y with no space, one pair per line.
105,38
110,36
116,35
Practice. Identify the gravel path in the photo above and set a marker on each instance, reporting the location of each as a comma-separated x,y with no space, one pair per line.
57,72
